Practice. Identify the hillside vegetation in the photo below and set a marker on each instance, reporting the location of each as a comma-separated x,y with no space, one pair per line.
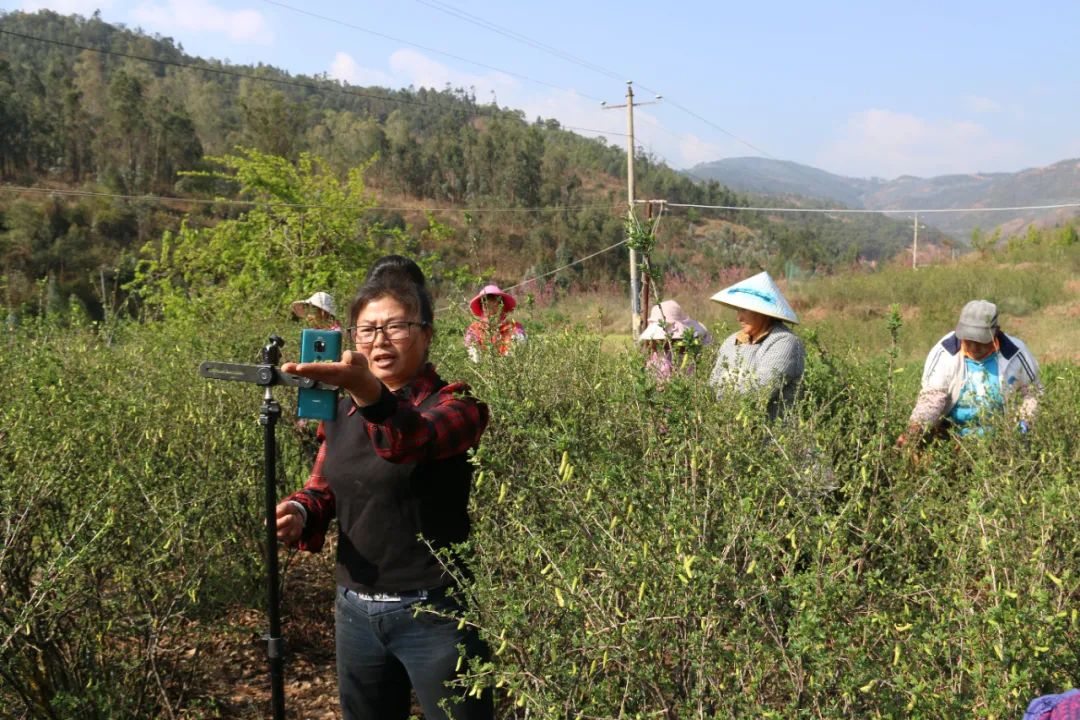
137,118
637,551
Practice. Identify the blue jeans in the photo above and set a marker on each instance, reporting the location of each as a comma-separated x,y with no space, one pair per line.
384,648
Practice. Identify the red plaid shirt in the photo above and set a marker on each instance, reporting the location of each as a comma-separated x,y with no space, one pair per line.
400,432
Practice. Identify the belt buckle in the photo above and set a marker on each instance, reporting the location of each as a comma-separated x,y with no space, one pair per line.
385,597
393,597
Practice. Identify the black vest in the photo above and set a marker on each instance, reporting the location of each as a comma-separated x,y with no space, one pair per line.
384,508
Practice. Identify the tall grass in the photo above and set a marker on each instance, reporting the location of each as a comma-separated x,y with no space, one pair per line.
1037,293
637,551
130,491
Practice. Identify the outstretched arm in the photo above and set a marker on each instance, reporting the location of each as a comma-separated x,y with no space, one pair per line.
401,432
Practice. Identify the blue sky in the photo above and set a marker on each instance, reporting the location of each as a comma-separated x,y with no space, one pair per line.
857,88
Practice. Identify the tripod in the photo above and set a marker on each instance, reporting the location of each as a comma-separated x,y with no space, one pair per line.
265,375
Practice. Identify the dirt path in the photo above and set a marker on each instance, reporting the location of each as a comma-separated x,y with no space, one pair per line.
231,680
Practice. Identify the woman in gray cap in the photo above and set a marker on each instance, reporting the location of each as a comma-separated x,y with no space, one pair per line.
971,374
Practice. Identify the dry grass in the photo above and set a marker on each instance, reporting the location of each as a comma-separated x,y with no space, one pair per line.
849,311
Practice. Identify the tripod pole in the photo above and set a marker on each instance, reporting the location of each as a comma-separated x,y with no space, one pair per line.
266,374
275,646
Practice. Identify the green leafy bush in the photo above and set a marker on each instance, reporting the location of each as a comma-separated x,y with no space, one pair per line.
641,552
637,551
132,503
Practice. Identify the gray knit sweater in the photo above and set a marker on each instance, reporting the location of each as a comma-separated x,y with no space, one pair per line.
777,363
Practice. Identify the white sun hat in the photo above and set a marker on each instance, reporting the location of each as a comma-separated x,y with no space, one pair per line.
322,300
669,320
653,331
760,294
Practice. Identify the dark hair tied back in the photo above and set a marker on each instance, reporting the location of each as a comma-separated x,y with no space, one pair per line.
396,264
398,277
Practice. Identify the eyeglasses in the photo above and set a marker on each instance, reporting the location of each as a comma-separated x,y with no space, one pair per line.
396,331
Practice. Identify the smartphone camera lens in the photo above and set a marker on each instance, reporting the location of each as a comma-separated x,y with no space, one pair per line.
320,346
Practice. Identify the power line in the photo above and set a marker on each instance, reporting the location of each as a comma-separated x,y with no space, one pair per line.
424,47
711,124
445,7
300,206
506,32
552,272
852,211
592,130
513,35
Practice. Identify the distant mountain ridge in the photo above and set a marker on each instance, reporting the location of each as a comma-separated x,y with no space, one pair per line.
1052,184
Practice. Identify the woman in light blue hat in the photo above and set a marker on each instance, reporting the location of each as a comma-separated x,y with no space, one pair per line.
764,354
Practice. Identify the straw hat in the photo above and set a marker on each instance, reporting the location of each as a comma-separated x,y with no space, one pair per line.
477,303
759,294
321,300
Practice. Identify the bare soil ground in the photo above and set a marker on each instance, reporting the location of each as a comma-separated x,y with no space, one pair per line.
231,678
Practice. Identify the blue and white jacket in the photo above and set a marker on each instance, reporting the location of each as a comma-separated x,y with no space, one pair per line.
945,372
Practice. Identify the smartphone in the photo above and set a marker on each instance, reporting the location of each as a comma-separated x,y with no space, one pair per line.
318,346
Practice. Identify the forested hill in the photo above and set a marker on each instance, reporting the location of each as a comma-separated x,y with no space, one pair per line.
1047,185
91,106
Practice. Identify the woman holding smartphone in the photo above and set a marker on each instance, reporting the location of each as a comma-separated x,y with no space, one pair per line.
393,468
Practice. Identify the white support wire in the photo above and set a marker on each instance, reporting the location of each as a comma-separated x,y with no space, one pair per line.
591,130
568,265
854,211
549,273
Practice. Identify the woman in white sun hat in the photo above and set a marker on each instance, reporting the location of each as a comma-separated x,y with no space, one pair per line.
669,338
764,353
317,311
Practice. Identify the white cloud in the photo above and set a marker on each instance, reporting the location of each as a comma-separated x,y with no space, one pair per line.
242,26
422,71
409,67
979,104
584,115
694,150
345,68
67,7
887,143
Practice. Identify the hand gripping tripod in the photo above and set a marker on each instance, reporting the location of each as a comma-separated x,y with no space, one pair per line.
267,374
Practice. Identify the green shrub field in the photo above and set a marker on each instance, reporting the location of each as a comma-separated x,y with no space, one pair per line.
637,551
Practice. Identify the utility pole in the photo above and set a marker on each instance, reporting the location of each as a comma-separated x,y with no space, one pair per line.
915,245
635,283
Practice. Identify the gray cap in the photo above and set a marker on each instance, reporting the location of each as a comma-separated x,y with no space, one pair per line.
978,321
